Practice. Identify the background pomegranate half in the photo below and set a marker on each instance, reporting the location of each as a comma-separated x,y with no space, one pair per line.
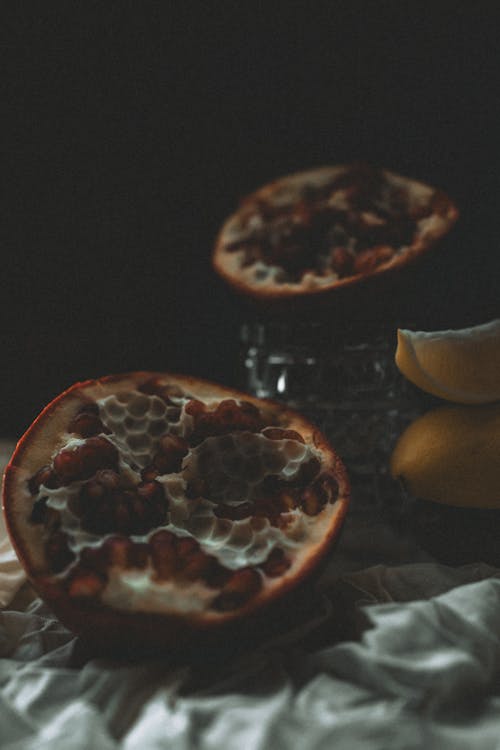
154,511
320,235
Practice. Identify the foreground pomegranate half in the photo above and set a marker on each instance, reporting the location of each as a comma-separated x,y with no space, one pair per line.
153,510
328,229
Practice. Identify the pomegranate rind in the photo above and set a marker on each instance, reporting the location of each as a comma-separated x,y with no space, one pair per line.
141,630
279,295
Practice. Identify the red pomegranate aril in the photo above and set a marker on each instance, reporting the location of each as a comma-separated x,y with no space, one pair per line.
242,585
228,416
85,585
310,502
197,565
163,537
94,491
45,476
323,490
117,551
186,547
58,552
122,552
149,491
276,564
81,462
168,460
163,553
109,479
286,500
194,408
277,433
164,559
86,425
149,473
139,555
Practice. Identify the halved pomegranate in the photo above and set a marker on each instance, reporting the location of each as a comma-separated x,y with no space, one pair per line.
312,235
154,511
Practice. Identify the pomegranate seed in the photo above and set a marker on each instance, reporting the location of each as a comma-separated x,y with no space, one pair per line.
163,537
139,555
151,491
94,491
116,550
172,451
163,555
108,479
194,408
285,501
276,564
83,461
45,476
85,584
277,433
228,416
242,585
197,566
149,473
86,425
67,464
186,547
310,502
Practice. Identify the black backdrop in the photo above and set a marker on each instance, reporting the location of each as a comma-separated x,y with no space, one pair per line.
130,130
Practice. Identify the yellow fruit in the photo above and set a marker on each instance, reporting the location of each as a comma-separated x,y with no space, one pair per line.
451,455
461,366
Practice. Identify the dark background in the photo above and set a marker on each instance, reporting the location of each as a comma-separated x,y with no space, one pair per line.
131,129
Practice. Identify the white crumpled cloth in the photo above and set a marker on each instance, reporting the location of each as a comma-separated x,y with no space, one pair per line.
425,672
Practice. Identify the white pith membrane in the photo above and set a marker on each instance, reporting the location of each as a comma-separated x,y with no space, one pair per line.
233,467
250,227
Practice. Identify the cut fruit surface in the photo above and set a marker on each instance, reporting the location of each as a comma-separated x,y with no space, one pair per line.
152,509
314,233
458,365
450,456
